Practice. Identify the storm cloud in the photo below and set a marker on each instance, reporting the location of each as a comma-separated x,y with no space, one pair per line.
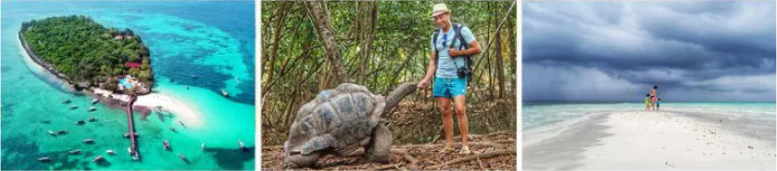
616,51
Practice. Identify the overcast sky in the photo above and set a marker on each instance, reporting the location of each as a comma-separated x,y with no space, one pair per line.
616,51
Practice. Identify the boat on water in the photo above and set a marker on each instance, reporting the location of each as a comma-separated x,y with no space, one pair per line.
98,159
166,144
73,107
81,122
224,93
76,151
242,146
183,157
52,133
133,153
95,100
111,152
92,119
60,132
44,159
92,109
88,141
66,101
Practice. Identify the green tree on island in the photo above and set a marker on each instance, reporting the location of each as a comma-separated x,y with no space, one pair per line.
87,53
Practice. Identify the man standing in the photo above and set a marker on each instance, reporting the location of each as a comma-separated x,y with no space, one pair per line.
447,58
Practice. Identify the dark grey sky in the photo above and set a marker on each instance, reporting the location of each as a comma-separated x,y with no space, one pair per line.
616,51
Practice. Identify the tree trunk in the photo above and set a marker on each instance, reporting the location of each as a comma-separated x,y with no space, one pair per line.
369,12
513,56
324,30
498,56
279,23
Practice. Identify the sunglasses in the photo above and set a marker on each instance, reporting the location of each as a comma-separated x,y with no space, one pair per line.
444,38
439,16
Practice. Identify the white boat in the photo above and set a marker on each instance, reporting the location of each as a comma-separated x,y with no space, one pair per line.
111,152
95,100
73,107
92,109
44,159
224,93
88,141
98,159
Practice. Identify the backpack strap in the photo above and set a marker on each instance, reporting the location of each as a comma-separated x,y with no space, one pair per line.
434,46
463,45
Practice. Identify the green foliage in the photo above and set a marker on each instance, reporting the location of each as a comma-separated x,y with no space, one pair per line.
400,51
84,50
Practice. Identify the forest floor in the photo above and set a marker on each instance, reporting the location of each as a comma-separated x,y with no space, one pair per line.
416,129
494,151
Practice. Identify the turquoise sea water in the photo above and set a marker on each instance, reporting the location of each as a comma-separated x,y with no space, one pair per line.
212,40
545,120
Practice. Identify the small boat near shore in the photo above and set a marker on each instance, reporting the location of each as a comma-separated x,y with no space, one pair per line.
224,93
60,132
166,144
52,133
111,152
95,100
183,158
98,158
242,146
81,122
76,151
88,141
92,109
73,107
44,159
66,101
134,154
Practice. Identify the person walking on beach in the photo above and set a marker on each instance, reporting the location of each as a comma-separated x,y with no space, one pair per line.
653,97
658,104
451,44
647,102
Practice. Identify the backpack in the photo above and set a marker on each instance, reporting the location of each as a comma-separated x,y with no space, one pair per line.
463,45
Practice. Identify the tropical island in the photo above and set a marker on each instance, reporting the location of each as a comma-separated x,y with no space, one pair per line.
89,56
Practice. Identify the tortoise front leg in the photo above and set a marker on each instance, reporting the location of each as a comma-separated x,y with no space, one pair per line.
379,148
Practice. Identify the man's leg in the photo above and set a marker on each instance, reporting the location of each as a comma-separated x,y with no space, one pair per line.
460,102
444,105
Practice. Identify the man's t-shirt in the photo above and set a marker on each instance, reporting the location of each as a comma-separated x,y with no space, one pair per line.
446,66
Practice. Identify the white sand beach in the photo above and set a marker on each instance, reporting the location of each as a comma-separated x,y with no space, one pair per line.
184,112
638,140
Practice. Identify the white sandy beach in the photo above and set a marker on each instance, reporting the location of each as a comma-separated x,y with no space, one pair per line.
637,140
184,112
664,140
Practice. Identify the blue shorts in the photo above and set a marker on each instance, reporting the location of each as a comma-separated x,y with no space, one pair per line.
449,87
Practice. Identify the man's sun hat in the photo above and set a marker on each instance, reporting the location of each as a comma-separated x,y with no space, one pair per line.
439,9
